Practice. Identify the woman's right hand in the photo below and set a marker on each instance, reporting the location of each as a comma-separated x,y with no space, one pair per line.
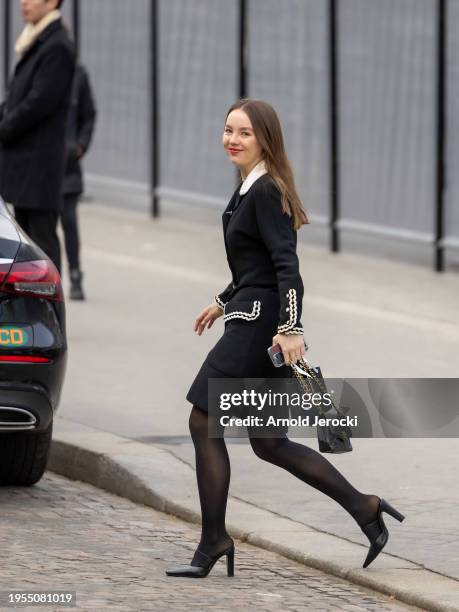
207,317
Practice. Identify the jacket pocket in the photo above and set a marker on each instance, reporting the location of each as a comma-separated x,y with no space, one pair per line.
247,310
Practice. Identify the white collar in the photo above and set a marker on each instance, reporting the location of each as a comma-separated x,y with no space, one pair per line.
31,32
252,176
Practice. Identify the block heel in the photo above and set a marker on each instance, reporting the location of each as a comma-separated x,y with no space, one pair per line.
230,562
386,507
377,532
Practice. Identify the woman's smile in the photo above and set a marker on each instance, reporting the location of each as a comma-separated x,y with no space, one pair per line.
238,129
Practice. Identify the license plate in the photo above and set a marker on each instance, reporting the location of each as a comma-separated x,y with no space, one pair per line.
15,336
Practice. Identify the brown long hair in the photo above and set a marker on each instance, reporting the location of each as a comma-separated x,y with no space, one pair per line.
268,132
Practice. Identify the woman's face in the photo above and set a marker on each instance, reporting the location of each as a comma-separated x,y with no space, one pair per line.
239,141
34,10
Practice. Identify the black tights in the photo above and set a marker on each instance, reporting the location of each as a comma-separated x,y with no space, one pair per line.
69,220
213,476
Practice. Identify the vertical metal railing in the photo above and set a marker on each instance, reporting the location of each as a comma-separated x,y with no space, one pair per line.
154,108
6,42
333,74
243,49
76,25
441,176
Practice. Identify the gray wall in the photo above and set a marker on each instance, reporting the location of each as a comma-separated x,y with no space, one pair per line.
452,212
115,48
388,91
198,74
288,67
387,86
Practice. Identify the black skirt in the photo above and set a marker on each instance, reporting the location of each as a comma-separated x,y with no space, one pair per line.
251,320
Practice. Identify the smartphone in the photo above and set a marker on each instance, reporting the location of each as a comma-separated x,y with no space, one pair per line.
277,356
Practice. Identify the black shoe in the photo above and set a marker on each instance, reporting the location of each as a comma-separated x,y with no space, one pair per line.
206,564
76,290
377,532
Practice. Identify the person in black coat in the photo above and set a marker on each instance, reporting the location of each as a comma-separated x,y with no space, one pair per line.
261,306
33,124
80,127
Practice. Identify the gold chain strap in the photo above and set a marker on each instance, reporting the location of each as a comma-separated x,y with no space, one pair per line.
306,384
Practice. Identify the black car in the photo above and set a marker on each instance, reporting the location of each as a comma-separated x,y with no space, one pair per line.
33,353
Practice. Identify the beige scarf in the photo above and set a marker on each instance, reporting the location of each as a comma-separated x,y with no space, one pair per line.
32,30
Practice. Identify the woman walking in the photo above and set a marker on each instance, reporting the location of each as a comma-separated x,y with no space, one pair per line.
261,307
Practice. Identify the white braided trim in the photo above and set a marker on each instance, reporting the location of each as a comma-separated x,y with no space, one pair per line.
219,302
294,330
248,316
293,310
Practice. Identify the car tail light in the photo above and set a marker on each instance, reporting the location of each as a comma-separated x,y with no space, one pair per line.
5,265
23,359
38,278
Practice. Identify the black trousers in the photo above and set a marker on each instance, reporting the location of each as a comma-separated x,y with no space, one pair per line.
69,220
40,225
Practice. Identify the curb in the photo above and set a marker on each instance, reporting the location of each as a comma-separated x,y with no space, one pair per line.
137,472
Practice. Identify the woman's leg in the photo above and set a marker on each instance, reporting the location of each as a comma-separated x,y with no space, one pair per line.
213,476
309,466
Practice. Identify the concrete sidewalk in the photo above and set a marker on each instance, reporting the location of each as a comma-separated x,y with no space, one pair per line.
133,355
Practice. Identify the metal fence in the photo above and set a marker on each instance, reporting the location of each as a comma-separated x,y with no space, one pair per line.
366,91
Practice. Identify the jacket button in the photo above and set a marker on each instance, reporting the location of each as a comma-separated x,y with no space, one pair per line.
287,309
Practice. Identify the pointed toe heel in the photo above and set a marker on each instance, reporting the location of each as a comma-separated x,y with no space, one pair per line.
207,563
377,532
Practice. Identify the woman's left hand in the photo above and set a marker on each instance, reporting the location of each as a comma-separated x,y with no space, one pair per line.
292,346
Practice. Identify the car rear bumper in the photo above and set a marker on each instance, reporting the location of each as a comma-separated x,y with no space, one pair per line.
24,407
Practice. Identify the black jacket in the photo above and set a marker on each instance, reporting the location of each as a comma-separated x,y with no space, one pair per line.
33,122
80,127
260,243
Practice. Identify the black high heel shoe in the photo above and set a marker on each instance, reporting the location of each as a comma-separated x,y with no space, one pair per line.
376,531
207,563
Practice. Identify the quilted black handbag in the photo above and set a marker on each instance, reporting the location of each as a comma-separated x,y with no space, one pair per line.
331,438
